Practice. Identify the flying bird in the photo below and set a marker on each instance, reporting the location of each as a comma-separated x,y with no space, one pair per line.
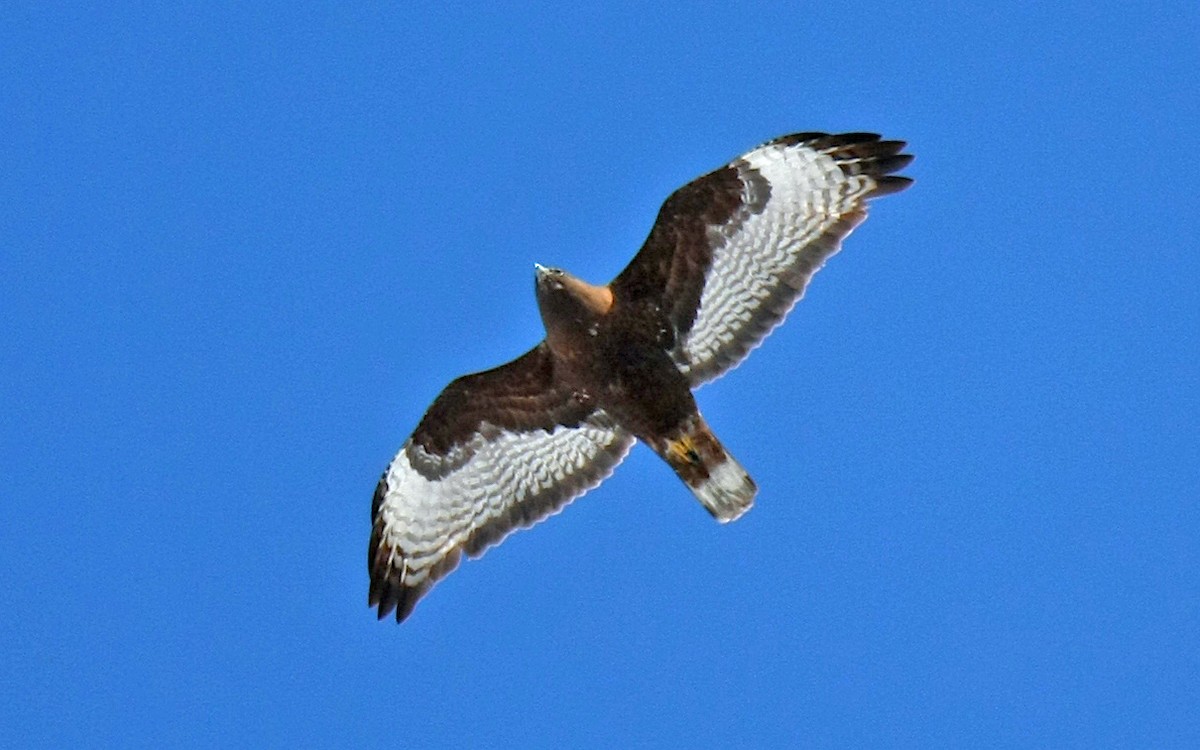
728,256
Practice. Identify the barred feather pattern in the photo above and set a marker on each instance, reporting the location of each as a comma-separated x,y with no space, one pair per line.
425,518
818,186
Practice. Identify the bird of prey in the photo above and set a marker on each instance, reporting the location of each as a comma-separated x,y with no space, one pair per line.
728,256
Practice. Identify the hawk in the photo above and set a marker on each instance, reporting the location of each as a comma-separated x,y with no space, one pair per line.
728,256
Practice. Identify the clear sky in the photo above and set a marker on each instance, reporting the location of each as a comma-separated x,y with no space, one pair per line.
245,245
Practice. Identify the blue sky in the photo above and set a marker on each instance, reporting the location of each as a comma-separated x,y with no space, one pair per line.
245,247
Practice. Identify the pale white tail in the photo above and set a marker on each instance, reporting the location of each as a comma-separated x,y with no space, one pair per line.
728,492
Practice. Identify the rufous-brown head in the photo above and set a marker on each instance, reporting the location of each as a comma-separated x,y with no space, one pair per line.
562,294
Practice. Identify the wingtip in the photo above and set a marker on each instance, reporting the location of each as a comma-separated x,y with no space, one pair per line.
890,184
858,154
387,600
894,163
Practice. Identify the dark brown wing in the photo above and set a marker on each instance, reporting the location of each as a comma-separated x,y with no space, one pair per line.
731,252
497,450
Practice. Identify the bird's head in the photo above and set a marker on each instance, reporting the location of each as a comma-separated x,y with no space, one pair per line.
548,278
562,296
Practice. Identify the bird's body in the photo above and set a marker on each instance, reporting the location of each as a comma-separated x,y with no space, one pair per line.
728,256
617,359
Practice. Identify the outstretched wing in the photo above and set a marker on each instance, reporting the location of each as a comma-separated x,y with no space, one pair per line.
497,450
731,252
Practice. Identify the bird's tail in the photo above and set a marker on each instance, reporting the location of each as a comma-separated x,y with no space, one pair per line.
717,480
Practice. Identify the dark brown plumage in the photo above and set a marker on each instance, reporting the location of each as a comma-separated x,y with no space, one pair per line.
727,257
